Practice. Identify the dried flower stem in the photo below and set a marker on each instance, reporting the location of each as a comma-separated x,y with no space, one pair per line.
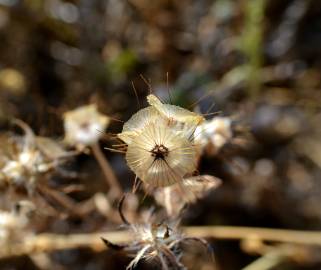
107,170
52,242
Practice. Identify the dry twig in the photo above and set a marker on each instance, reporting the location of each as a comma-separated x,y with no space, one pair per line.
52,242
107,170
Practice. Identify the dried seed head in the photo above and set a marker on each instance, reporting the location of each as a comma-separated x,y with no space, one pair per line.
84,126
13,223
214,134
159,243
24,158
161,157
154,241
171,197
161,149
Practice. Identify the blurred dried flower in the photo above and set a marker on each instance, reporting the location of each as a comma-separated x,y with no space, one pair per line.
84,126
12,81
24,158
13,223
212,135
160,139
172,200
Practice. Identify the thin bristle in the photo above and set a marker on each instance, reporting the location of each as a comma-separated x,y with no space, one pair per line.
200,99
120,145
115,150
110,135
116,119
213,113
169,92
147,83
210,108
136,95
136,185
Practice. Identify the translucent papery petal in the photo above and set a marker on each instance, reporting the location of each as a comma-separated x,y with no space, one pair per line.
173,200
179,161
140,119
127,136
177,118
175,113
136,123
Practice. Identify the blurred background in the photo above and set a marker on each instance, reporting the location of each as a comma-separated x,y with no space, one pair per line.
255,61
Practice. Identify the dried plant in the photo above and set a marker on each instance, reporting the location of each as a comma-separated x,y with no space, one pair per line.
13,223
174,201
84,126
160,138
214,134
155,242
25,158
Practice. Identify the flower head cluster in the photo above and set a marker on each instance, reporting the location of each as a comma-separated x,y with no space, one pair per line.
160,138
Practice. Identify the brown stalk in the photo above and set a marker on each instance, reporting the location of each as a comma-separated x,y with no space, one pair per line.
107,170
51,242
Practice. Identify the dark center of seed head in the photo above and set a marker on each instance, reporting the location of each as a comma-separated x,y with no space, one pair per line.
159,151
